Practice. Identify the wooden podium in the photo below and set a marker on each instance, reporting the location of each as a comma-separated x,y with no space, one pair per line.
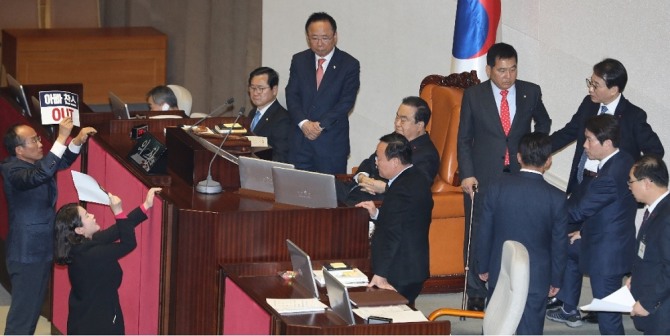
127,61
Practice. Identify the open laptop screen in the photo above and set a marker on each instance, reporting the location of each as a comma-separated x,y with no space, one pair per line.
304,188
302,267
20,95
338,297
256,174
119,107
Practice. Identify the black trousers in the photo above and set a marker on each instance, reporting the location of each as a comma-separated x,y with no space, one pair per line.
29,284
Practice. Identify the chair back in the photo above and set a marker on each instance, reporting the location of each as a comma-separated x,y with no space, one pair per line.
184,98
508,301
444,95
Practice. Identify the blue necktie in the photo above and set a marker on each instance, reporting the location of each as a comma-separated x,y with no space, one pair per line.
254,122
582,160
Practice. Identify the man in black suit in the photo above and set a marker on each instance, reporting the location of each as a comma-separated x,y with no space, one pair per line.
270,119
605,86
494,116
30,188
320,93
650,279
411,119
523,207
607,209
399,248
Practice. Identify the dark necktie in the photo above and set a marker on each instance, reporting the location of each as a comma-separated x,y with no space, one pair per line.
644,218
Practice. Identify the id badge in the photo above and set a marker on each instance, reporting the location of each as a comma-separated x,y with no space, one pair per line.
640,251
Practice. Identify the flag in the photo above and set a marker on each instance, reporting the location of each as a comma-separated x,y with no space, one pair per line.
474,33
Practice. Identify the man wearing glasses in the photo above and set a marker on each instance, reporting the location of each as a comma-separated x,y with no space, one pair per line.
321,91
270,119
30,188
607,209
605,88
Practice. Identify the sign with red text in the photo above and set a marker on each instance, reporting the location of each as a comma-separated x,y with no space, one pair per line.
56,105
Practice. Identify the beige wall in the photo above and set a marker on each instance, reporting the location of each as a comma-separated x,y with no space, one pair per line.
399,42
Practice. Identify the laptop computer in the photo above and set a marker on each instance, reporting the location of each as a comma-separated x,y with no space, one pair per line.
256,174
338,295
304,188
302,267
119,108
19,94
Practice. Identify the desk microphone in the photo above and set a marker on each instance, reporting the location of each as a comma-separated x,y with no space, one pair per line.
209,186
216,112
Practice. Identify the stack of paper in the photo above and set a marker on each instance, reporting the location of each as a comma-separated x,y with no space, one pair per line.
398,314
350,277
296,306
621,301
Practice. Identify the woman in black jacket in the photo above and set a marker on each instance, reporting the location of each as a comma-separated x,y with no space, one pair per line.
92,259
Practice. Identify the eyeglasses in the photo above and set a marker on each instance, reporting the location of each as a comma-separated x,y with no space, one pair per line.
591,84
633,181
259,89
320,38
33,140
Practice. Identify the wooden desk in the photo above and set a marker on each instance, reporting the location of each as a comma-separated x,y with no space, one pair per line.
128,61
243,308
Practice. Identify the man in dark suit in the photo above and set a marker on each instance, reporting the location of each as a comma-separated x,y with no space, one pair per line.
399,248
321,92
30,189
607,209
605,87
650,279
411,119
494,116
270,119
525,208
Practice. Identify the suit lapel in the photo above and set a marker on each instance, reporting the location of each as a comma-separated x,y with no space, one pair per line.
330,71
266,116
490,106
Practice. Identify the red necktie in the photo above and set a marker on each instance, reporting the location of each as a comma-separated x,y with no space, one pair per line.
505,120
319,72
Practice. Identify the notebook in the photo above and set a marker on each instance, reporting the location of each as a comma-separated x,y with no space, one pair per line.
302,267
304,188
256,174
339,298
119,108
20,95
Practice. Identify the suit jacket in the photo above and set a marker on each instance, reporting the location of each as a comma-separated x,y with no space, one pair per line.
31,194
95,274
607,208
399,248
424,158
650,282
481,139
330,105
276,126
523,207
636,134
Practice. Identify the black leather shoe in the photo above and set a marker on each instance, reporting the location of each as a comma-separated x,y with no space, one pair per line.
476,303
590,317
553,302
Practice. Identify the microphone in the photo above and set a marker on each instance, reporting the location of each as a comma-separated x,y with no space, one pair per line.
208,185
216,112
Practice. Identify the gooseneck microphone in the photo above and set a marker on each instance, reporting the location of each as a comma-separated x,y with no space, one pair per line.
208,185
216,112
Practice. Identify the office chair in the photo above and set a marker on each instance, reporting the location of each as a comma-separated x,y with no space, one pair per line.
507,303
184,98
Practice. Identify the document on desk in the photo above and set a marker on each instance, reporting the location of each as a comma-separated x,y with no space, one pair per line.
88,189
297,306
349,278
258,141
621,301
397,313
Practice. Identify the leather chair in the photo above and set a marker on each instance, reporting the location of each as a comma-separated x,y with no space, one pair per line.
184,98
443,95
508,301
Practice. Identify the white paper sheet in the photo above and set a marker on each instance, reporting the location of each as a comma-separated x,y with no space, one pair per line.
88,189
399,313
621,301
